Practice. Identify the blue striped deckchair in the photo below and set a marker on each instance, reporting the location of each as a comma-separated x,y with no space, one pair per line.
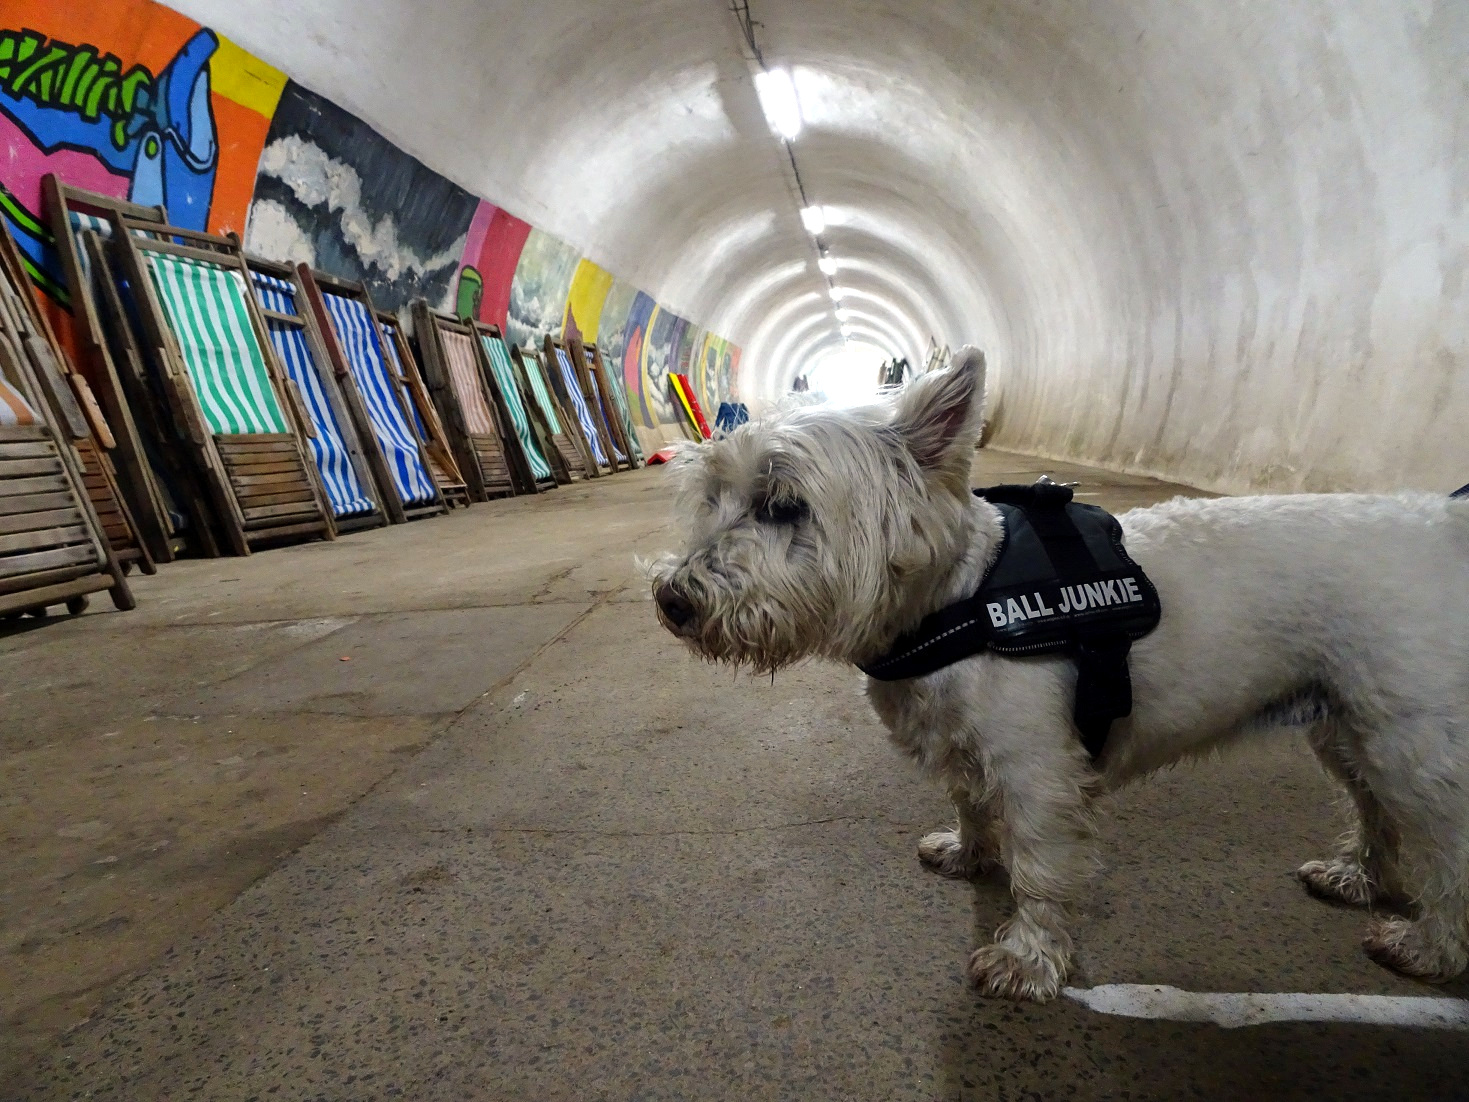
344,486
504,375
384,401
617,422
430,428
234,407
571,390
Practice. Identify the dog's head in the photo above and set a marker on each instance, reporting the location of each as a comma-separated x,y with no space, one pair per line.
824,532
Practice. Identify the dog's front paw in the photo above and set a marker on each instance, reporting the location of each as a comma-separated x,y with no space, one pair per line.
945,854
1338,881
1404,946
1000,972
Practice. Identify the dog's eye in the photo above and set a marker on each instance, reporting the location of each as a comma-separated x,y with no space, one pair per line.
781,511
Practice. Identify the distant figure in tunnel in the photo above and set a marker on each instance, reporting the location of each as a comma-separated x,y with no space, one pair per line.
849,534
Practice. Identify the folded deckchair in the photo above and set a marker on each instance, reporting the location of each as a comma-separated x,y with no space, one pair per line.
612,444
456,382
568,388
242,419
685,399
426,420
574,462
345,474
71,404
614,405
132,421
529,434
375,395
53,549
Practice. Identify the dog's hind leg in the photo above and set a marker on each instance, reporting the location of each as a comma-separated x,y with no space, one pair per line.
1364,871
1047,845
969,850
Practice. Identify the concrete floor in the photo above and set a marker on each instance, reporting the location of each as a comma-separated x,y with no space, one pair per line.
439,812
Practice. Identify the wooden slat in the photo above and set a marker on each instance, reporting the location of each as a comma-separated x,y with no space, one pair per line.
40,538
288,497
28,449
33,503
284,478
46,518
280,466
275,532
257,439
26,596
21,468
9,487
267,512
25,434
290,320
13,565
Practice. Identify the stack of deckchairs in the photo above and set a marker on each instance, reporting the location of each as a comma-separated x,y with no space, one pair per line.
54,548
221,403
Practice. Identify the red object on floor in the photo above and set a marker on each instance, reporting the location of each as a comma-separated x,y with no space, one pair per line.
662,455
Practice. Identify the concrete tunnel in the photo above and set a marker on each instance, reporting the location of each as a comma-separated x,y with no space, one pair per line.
421,801
1222,243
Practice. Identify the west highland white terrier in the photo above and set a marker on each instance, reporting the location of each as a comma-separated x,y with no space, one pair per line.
832,533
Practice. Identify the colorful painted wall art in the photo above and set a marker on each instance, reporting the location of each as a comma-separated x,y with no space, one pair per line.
134,100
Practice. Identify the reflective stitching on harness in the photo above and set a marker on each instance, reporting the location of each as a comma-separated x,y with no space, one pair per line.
926,643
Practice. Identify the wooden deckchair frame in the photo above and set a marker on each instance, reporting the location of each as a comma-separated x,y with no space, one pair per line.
305,320
558,387
120,402
486,461
592,391
73,407
246,474
53,548
564,454
399,511
537,426
444,468
611,408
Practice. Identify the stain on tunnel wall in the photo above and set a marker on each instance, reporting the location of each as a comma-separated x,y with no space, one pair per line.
134,100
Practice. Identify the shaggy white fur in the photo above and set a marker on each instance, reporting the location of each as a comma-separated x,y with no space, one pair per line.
830,533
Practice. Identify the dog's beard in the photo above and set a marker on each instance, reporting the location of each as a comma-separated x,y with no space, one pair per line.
760,635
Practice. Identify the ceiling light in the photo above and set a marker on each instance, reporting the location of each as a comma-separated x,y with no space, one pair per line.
814,219
778,100
827,265
837,293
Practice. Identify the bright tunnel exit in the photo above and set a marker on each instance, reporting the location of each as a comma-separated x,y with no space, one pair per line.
847,375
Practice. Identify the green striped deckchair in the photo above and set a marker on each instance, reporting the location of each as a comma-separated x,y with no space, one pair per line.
234,406
552,413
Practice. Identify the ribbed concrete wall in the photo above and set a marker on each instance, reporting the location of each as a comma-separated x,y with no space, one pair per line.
1220,241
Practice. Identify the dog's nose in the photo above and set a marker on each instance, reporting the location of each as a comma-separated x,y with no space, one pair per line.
677,609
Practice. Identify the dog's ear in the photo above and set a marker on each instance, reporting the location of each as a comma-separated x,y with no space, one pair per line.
939,416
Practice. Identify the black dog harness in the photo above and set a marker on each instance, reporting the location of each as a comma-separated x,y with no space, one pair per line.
1062,582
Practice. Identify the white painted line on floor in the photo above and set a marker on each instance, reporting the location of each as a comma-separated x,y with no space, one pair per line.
1234,1009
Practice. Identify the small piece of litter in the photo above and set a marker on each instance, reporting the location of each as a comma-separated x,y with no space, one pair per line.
346,659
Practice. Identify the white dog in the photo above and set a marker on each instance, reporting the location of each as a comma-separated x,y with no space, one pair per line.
827,533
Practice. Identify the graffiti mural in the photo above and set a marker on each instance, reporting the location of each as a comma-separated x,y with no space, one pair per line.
333,193
133,100
540,287
130,103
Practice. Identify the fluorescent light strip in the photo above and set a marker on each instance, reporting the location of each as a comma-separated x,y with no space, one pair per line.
779,101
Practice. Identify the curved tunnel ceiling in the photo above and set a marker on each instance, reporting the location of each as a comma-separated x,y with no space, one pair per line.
1224,242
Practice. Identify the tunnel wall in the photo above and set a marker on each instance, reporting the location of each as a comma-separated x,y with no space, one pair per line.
99,94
